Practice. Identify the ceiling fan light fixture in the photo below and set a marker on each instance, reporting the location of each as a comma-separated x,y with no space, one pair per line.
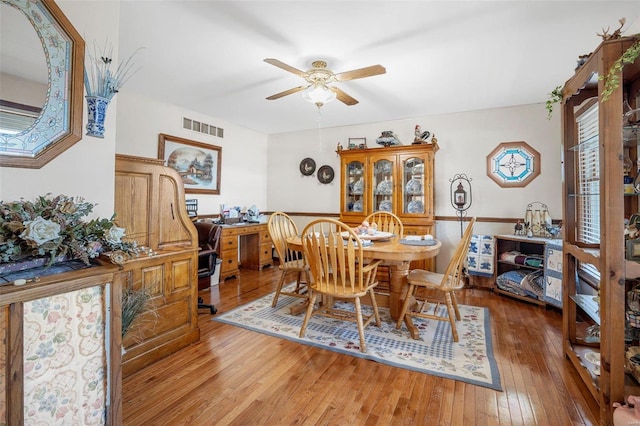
318,94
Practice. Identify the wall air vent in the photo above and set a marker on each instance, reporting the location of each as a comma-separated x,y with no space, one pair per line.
200,127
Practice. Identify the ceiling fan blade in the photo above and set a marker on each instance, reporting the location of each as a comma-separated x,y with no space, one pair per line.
286,92
343,97
285,67
361,73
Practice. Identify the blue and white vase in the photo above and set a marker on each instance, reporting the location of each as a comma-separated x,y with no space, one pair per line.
96,112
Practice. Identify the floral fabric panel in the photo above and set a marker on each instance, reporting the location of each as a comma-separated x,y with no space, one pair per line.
480,255
65,359
553,273
3,363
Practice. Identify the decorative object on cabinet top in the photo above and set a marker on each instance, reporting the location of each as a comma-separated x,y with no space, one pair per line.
388,138
307,166
357,143
513,164
538,223
326,174
51,227
420,136
198,164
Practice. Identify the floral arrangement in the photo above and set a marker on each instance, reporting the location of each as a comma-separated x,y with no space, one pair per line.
101,80
55,226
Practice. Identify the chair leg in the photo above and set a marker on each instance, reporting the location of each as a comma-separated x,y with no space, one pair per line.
405,305
312,301
363,345
278,289
374,305
452,317
298,282
454,299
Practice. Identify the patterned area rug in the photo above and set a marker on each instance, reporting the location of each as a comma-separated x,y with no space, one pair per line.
470,360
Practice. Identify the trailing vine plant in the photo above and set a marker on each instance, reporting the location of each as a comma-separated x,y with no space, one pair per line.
554,97
612,79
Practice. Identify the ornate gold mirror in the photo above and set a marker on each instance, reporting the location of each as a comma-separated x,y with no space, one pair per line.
41,83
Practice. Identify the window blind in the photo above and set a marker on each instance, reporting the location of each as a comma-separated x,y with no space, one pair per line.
588,182
14,120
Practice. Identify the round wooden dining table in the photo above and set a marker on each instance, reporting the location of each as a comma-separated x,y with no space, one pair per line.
398,257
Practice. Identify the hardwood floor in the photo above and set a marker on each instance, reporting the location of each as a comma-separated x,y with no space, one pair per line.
236,376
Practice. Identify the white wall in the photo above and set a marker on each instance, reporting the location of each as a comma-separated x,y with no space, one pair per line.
23,91
244,168
465,140
85,169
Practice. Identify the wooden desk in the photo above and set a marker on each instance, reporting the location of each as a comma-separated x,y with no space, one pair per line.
248,245
398,256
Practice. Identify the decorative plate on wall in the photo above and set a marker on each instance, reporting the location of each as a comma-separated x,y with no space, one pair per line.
513,164
325,174
307,166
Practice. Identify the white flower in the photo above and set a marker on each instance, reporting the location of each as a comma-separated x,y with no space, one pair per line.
114,235
94,248
40,230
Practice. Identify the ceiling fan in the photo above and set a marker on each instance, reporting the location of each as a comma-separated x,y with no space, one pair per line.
317,90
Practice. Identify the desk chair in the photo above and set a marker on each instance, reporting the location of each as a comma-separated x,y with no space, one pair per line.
281,227
208,236
446,284
335,257
386,222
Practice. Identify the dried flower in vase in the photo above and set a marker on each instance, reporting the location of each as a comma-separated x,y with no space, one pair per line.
100,79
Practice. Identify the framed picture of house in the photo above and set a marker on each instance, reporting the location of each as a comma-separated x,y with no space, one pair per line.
197,163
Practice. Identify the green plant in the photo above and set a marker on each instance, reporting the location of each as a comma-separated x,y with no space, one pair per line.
554,97
612,78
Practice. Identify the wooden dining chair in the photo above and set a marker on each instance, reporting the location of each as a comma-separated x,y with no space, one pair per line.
442,284
281,227
335,257
386,222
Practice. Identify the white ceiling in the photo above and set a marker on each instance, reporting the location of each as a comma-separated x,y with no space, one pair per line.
440,56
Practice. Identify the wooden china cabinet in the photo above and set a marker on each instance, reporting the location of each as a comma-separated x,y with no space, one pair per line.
595,204
398,179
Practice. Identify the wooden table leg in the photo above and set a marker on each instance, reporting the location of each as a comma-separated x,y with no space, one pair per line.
398,291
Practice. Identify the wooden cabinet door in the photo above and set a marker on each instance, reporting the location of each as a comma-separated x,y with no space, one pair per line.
354,184
415,196
384,188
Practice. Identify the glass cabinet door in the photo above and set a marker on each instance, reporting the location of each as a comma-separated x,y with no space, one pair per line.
354,193
413,186
382,185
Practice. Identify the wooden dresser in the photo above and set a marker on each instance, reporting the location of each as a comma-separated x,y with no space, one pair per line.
248,245
150,204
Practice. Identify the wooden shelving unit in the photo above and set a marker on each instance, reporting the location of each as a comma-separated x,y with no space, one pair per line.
586,300
524,245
